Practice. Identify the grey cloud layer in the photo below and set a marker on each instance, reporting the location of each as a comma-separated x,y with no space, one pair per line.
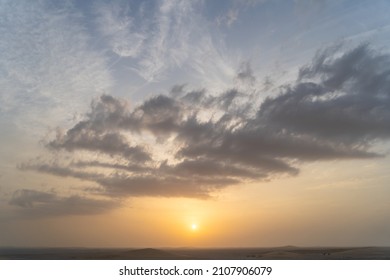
39,203
348,104
337,109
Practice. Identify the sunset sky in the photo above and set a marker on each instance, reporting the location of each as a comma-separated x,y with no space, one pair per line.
194,123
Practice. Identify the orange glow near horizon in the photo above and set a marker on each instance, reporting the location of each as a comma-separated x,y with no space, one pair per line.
287,211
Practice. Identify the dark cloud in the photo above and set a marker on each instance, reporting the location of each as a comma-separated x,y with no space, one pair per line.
58,170
120,185
177,90
207,168
337,109
27,198
226,99
130,167
160,115
343,100
99,132
108,143
245,74
130,180
35,203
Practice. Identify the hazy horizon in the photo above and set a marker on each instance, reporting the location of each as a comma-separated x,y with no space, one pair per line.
187,247
207,124
278,253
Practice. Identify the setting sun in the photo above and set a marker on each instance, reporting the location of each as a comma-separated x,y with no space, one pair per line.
194,226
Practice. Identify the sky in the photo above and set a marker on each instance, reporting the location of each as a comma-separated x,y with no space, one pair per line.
180,123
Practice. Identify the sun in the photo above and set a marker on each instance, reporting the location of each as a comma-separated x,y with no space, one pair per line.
194,226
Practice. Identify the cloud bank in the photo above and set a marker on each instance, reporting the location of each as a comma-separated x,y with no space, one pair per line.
35,203
193,143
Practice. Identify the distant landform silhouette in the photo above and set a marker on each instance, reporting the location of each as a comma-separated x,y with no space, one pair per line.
275,253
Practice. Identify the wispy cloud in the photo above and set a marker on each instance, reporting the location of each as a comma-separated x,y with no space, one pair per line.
229,17
162,36
46,60
118,29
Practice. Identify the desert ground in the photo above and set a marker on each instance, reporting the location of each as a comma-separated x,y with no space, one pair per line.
276,253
